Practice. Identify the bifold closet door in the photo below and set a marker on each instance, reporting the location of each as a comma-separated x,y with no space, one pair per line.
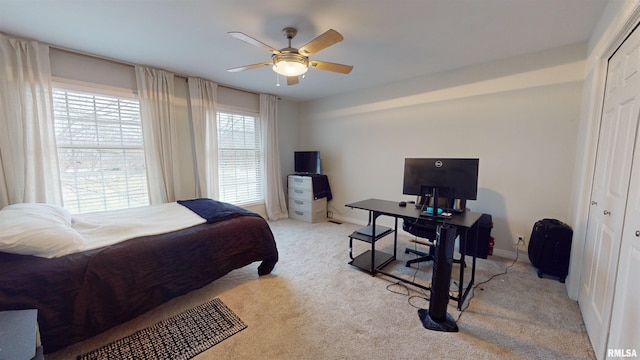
624,333
618,128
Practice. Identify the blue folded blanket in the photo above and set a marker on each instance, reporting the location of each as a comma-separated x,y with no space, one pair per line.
213,211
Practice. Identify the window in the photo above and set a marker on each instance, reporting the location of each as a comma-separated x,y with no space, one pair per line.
100,150
239,158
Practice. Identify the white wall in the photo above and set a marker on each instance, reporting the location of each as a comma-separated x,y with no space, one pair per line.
519,116
288,136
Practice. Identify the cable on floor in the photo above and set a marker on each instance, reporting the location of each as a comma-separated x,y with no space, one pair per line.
410,293
489,279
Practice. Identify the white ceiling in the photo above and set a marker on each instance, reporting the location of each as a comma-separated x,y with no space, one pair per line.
385,40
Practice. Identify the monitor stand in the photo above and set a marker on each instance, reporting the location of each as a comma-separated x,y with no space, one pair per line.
455,206
434,194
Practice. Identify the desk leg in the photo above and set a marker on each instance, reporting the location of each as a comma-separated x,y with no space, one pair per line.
395,239
463,263
475,251
373,217
463,291
351,248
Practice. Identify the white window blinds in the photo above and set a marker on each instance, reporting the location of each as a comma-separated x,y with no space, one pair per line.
240,179
100,151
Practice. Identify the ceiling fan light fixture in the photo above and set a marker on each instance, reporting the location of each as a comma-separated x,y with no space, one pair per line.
287,64
291,62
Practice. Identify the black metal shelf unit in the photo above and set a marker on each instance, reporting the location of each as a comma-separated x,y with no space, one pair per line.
371,260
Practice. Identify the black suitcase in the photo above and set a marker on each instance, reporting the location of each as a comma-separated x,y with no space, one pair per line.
550,248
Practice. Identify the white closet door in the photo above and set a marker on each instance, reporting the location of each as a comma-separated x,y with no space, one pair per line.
610,189
625,319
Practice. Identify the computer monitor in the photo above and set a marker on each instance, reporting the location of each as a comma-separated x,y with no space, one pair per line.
306,162
455,178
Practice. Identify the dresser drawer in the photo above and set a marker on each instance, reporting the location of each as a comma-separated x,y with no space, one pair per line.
302,194
319,205
307,216
300,182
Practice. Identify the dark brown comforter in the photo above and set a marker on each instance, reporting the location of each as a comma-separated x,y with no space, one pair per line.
83,294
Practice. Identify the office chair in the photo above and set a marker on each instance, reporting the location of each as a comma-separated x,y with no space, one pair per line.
421,230
426,230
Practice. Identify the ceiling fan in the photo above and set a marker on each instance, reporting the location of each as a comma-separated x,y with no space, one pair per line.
292,62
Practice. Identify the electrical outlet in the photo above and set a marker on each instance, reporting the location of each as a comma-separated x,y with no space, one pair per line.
520,240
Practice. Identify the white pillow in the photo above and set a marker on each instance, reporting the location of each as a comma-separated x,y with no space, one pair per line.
38,229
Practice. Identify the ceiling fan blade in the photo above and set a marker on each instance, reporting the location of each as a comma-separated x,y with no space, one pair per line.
249,40
292,80
249,67
323,65
323,41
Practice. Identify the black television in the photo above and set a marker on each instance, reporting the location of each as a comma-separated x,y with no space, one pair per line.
306,162
455,178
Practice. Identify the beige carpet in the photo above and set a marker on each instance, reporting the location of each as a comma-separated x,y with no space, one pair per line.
316,306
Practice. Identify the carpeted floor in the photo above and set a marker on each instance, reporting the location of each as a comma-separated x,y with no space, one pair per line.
316,306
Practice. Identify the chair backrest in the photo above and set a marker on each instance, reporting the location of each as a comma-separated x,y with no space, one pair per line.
419,228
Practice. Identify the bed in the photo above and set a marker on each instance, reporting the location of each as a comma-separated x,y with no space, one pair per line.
79,294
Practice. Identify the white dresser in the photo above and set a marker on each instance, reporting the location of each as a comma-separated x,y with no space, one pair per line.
302,206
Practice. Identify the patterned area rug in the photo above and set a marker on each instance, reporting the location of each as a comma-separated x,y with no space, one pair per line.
180,337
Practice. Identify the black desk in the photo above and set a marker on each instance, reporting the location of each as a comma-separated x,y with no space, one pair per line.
374,261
